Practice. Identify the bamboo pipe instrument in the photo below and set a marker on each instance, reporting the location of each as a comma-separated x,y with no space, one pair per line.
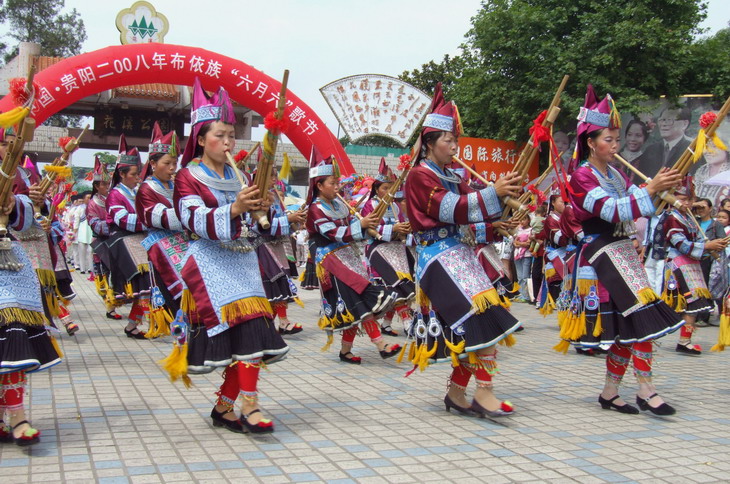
371,231
685,161
529,153
242,164
262,178
512,202
667,198
664,197
50,177
8,167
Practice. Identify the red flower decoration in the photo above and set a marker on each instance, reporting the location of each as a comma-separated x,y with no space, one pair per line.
65,140
405,162
17,90
274,125
531,207
707,119
538,131
240,156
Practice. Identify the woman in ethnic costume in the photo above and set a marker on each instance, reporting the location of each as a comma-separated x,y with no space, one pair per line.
36,240
685,289
620,309
165,243
273,260
96,218
466,320
25,345
349,299
128,259
231,319
388,258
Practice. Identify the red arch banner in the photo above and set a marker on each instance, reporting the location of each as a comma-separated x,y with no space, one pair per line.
74,78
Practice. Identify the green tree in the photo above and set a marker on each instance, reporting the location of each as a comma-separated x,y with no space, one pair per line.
447,72
106,158
708,66
517,51
41,21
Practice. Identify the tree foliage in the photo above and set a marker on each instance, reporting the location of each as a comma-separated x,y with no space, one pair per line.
708,66
41,21
517,51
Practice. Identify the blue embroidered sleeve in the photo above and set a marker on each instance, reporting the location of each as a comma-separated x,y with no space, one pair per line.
21,219
491,201
680,242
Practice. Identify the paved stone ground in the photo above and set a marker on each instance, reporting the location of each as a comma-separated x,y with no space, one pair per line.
108,414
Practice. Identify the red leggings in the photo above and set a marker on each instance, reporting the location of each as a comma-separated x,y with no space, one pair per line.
12,388
617,360
483,371
280,310
370,327
239,378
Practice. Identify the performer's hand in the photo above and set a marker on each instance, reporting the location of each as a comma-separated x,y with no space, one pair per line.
45,225
510,184
8,208
246,201
35,195
370,221
717,244
402,228
664,180
267,202
300,216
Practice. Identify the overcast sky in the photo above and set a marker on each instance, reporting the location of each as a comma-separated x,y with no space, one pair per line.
319,41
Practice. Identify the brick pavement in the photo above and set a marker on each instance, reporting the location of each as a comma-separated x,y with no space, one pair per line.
108,414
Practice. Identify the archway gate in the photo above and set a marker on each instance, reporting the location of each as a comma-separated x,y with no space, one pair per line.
72,79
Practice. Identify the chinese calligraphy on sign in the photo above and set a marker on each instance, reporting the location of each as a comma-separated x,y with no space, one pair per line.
375,104
492,158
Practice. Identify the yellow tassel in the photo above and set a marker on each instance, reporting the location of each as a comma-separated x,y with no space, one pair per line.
647,296
142,268
299,302
13,117
285,171
456,348
585,285
188,302
426,354
548,307
128,290
57,348
330,340
402,353
243,307
700,145
562,347
412,352
176,364
718,142
421,298
301,276
485,300
723,336
703,292
510,340
598,327
152,332
473,360
18,315
550,273
454,359
320,271
403,275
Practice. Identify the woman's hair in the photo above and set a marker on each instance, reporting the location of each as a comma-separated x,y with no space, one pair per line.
203,131
155,157
726,212
374,188
583,140
641,124
428,138
724,201
122,170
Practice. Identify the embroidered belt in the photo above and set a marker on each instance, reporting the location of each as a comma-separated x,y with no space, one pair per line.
428,237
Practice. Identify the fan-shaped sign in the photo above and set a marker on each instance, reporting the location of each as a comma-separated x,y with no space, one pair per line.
64,83
369,104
